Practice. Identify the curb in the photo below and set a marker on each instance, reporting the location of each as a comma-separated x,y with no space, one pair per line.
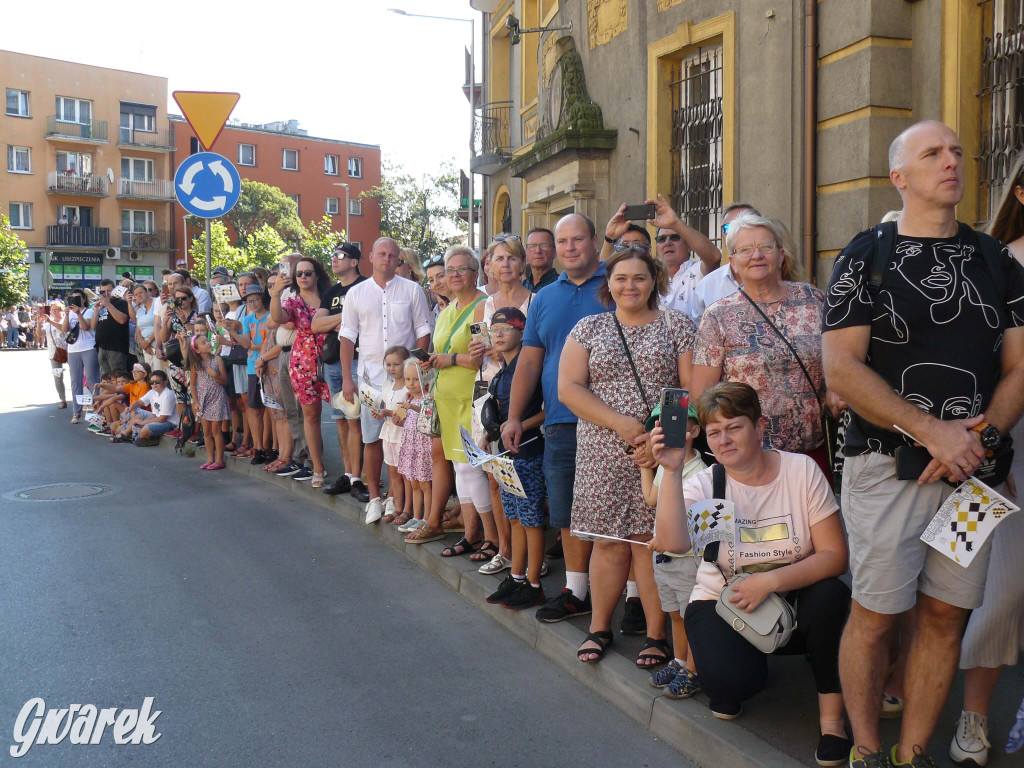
688,727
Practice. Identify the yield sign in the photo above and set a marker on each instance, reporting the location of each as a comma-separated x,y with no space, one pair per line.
206,112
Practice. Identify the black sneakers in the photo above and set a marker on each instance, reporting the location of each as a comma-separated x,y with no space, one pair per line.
506,589
341,485
833,750
634,622
359,491
525,596
260,457
563,606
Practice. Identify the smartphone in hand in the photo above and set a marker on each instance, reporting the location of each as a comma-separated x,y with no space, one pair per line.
640,212
675,404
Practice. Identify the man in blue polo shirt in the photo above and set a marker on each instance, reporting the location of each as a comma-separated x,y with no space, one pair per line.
553,313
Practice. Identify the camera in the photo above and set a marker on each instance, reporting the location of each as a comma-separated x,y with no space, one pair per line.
76,300
179,303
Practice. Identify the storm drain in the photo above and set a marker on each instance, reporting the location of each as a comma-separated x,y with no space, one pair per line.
58,492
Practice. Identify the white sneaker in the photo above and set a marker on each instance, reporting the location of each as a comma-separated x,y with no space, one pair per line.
970,742
374,510
389,505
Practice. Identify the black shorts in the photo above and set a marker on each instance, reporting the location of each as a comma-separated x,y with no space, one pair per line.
255,398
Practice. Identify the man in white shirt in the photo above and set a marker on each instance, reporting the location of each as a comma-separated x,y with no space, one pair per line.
723,281
677,243
381,312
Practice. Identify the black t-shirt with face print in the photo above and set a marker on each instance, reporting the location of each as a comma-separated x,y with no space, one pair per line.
937,323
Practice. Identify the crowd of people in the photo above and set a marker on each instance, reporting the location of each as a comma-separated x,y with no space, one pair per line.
565,372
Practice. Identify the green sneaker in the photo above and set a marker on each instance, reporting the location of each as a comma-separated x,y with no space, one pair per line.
920,759
861,758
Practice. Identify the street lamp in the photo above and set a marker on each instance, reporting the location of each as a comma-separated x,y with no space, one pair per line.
472,102
348,235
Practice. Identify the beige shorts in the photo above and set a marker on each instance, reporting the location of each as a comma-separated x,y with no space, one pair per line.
676,579
885,518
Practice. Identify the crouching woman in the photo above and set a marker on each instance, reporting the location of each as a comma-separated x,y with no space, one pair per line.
787,538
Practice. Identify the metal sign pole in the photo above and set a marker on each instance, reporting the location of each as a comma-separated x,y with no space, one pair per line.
209,268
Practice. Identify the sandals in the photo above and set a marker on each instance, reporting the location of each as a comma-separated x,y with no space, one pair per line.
461,547
402,519
603,639
452,523
424,534
650,660
484,552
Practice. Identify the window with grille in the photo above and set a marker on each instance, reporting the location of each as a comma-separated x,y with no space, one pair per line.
696,151
1002,100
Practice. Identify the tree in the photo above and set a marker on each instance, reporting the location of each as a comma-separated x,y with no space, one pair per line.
320,241
222,252
420,213
13,270
263,205
265,247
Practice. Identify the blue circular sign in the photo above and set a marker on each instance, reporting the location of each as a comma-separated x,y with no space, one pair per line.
207,185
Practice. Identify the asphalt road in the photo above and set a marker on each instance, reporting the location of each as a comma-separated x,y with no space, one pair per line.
268,633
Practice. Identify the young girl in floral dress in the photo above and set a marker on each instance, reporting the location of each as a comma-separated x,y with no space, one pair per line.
414,461
208,377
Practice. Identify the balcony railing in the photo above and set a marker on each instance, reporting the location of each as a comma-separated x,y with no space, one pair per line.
155,189
155,140
144,241
492,137
95,131
68,234
70,183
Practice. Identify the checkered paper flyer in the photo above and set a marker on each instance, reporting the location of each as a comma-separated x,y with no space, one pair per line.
966,520
710,520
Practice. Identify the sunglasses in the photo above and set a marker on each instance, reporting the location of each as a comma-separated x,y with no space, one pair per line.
153,290
635,247
539,247
304,273
460,271
675,238
503,237
725,228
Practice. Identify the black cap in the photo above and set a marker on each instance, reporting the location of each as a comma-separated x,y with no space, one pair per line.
351,251
509,316
221,271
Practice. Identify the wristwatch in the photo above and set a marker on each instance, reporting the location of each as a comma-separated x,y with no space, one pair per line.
609,240
990,437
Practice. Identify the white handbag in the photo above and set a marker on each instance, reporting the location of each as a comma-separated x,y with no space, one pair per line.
768,627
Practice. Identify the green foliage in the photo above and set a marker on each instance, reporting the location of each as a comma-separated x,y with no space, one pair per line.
420,213
321,240
222,252
13,269
265,247
262,205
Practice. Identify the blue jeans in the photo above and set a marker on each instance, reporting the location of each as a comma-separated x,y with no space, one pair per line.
333,377
77,362
12,337
560,471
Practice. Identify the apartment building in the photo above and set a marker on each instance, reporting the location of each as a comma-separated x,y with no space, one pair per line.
88,170
321,175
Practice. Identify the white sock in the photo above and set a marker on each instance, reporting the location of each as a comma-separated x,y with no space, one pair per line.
576,583
631,590
519,578
680,662
535,586
350,476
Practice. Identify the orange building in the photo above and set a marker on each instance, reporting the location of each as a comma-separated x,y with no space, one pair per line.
315,172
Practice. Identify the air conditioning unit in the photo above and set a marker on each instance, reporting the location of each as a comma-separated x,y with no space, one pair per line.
135,256
114,254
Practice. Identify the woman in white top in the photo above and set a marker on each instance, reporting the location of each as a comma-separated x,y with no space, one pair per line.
56,339
81,352
506,260
785,536
142,310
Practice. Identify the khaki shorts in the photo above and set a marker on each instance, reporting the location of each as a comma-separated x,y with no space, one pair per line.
885,518
676,579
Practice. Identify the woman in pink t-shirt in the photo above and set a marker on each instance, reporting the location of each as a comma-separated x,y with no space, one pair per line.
786,535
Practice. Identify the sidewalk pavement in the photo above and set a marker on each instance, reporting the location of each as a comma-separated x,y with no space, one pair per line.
779,727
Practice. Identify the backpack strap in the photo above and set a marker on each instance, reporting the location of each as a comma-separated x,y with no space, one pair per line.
717,492
882,255
991,251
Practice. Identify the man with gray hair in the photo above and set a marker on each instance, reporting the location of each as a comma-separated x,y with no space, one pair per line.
922,294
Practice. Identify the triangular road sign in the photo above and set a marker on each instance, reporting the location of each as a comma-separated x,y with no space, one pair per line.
206,112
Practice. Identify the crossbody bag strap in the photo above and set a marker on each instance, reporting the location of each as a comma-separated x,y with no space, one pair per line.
782,336
717,492
459,322
632,367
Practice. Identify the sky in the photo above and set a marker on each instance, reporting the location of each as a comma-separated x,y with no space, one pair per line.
345,69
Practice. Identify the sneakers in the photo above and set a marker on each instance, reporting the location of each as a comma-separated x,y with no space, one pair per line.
260,457
920,759
374,510
861,758
892,707
75,418
970,742
289,470
563,606
525,596
685,684
506,589
496,564
339,486
832,750
95,428
359,491
304,473
666,674
318,479
724,711
412,525
634,622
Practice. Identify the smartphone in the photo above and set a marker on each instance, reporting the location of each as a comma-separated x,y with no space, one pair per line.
638,212
285,270
675,404
479,332
420,354
45,310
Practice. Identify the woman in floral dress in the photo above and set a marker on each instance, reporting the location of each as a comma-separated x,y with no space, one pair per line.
596,382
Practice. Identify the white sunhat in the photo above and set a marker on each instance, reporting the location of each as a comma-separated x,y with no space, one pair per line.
350,408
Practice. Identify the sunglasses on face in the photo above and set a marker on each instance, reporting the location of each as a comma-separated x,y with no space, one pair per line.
304,273
539,247
460,271
675,238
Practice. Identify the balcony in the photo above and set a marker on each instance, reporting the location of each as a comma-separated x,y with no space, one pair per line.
154,189
85,133
71,183
144,241
155,141
492,138
67,234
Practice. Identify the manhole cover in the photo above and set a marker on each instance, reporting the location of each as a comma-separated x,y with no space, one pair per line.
58,492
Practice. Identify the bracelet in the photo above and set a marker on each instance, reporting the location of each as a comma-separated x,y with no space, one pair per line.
453,360
609,240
